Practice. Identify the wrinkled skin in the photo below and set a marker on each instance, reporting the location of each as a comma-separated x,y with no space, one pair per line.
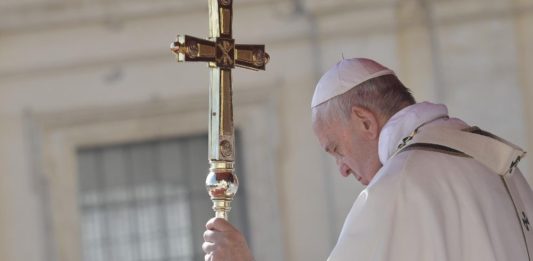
353,143
223,242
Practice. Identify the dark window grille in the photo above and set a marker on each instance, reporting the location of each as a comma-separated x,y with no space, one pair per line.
147,201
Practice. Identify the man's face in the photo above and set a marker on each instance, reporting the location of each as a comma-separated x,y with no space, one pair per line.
354,153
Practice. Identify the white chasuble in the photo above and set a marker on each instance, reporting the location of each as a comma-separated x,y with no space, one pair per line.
429,205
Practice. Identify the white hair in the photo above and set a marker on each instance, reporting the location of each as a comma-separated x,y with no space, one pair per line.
384,95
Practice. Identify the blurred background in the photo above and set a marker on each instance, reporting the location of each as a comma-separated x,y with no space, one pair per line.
103,150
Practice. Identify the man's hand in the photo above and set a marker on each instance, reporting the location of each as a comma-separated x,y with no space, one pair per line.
223,242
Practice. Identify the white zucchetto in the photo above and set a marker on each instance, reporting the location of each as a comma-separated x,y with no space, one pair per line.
345,75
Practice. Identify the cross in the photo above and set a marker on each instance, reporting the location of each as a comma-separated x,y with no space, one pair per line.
222,55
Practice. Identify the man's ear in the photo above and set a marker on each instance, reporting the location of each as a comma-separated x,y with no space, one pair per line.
366,120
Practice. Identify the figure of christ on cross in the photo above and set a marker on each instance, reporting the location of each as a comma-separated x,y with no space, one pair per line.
222,55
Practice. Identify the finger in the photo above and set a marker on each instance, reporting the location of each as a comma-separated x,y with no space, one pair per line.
208,247
208,257
209,235
218,224
215,237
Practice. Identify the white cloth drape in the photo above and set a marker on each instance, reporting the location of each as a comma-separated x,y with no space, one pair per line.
425,205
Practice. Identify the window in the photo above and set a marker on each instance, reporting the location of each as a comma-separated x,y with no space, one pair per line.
147,201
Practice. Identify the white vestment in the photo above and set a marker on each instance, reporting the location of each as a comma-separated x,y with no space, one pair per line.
425,205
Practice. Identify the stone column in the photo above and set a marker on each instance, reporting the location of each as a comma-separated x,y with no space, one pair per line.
523,19
415,50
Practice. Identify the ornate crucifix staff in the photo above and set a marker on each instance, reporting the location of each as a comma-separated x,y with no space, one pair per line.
222,54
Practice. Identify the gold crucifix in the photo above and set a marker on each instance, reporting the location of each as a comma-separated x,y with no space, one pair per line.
222,55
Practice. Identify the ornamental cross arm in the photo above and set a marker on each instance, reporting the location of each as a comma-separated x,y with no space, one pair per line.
222,53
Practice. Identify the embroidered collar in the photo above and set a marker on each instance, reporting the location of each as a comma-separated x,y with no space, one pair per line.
403,123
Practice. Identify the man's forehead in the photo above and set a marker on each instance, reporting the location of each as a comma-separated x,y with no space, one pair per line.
328,123
326,133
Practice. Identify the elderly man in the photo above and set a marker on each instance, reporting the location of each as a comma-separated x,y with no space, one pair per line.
437,189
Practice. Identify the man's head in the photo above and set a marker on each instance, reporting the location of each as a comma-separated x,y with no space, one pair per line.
352,102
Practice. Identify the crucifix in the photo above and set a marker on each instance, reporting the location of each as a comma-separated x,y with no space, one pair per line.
222,55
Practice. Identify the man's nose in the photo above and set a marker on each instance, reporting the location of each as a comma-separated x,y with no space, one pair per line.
344,170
